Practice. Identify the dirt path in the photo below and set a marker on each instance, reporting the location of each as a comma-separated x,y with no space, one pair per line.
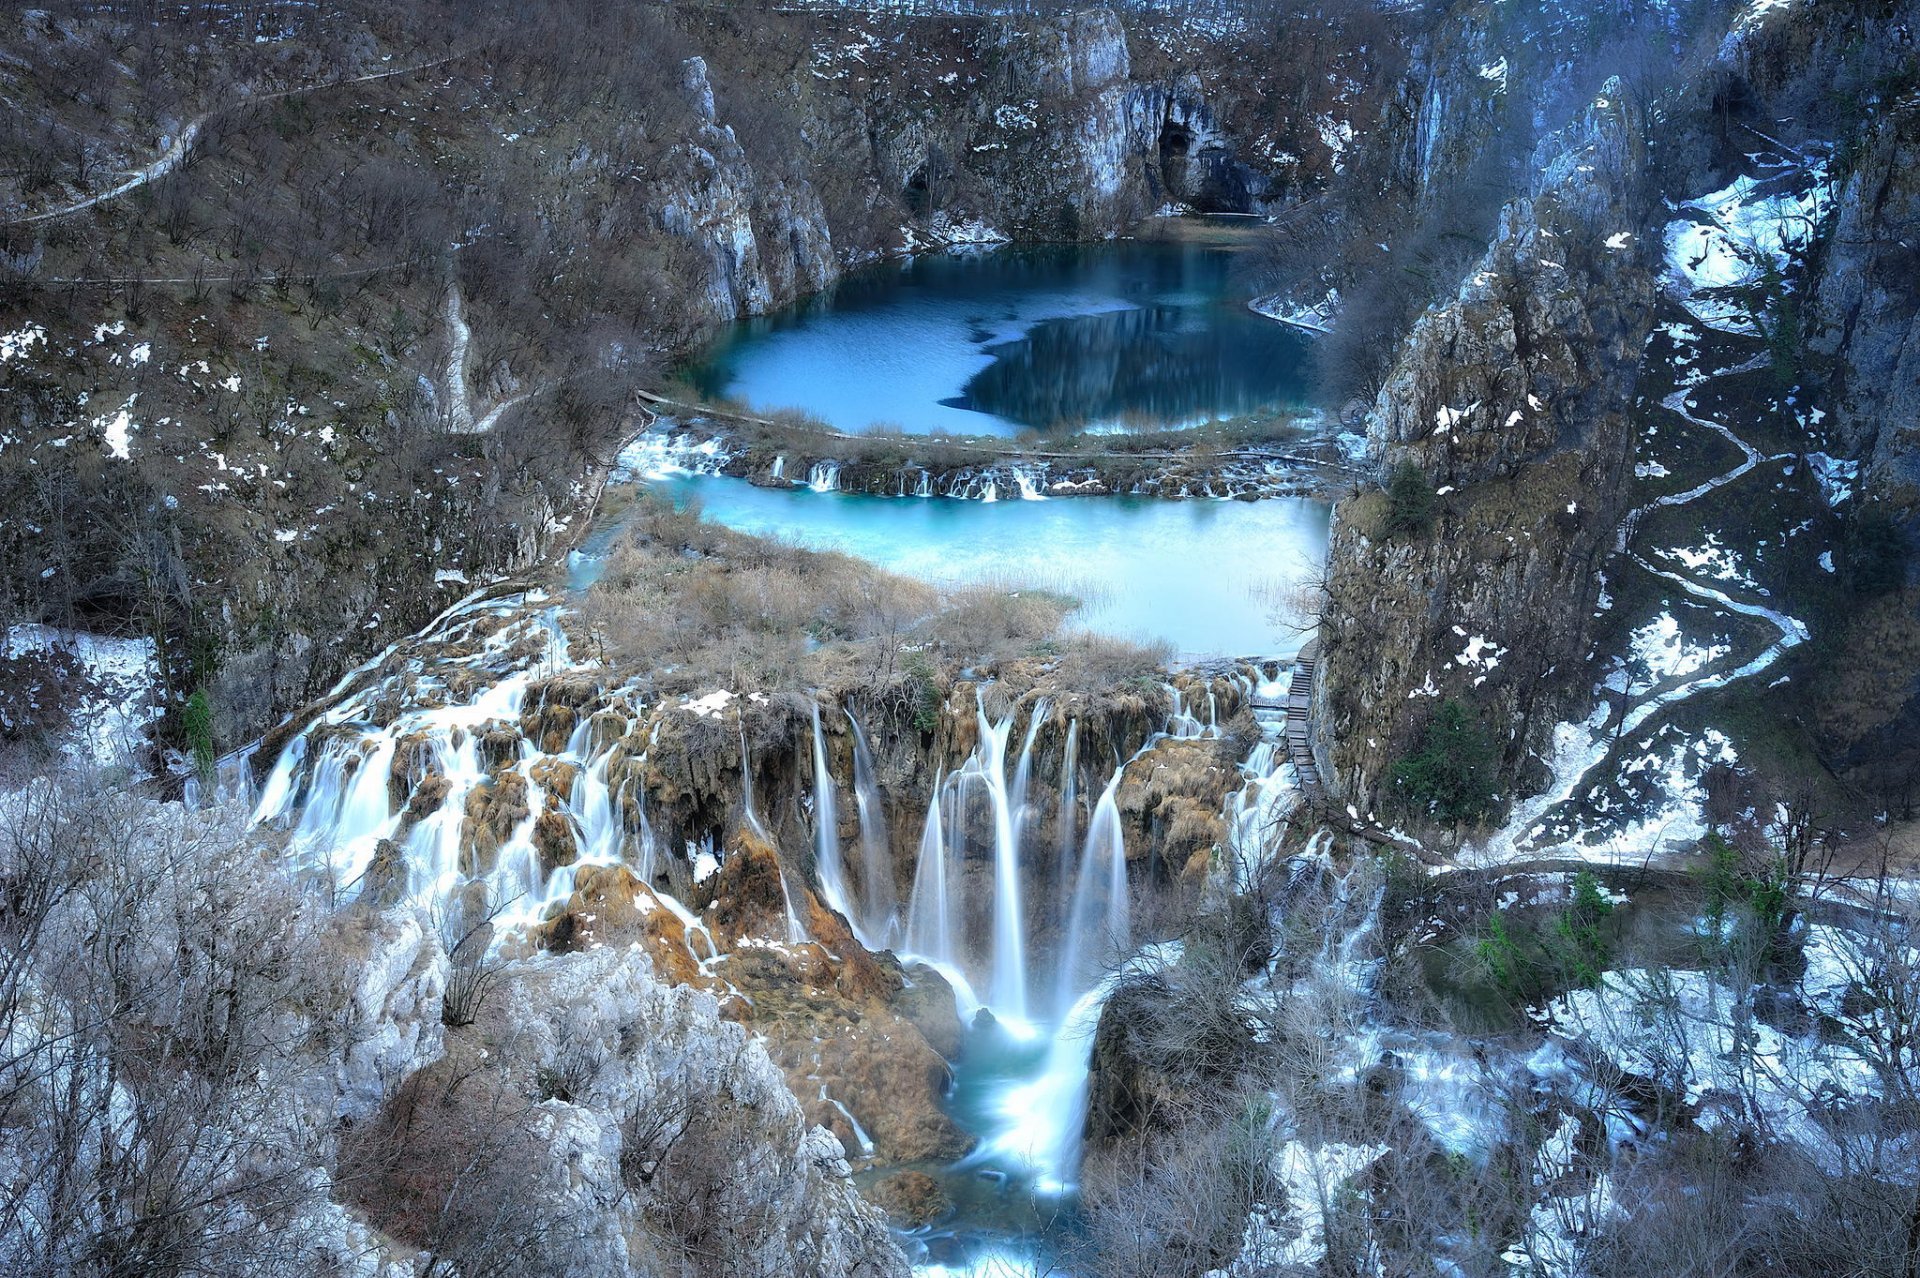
176,152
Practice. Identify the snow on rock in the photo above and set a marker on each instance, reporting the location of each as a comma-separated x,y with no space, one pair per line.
110,714
711,706
20,343
1837,478
1313,1177
397,975
1725,243
1666,653
1703,1040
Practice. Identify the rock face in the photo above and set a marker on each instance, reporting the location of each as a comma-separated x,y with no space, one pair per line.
1509,403
397,974
765,241
1863,314
1867,309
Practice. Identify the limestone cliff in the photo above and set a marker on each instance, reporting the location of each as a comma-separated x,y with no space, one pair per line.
1509,403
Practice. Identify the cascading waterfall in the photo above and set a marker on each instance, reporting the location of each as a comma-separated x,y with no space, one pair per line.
334,787
880,906
989,766
1023,773
1066,836
1045,1116
823,477
1098,919
932,936
826,830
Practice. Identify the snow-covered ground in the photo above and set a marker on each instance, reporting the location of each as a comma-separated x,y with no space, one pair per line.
111,711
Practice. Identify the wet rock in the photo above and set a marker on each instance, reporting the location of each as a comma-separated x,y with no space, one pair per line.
927,1000
553,837
385,882
494,811
611,908
1172,799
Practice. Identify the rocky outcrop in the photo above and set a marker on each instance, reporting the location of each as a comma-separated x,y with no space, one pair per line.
765,240
1509,404
396,973
838,1020
626,1125
1866,308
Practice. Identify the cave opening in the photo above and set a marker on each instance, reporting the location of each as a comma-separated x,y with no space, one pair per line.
1176,142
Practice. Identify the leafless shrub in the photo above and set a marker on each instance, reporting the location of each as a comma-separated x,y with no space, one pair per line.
151,973
465,925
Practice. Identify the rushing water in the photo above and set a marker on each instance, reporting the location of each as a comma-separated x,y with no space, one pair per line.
1131,332
1211,578
1059,337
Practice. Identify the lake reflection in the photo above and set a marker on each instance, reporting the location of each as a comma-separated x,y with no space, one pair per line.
1137,333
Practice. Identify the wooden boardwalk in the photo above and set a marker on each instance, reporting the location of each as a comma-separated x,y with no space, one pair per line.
1298,706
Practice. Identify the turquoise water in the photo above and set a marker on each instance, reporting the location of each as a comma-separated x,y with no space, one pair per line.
1058,337
1208,577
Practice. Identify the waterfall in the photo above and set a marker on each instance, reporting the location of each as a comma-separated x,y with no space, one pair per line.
930,933
824,476
1256,812
779,467
876,858
1045,1117
1067,824
1023,773
1009,984
1098,920
796,930
748,816
826,829
925,488
1027,478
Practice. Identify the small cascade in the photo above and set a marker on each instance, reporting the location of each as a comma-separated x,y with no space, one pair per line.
925,488
880,906
595,821
1098,919
826,830
1183,724
748,816
1028,479
1256,813
824,476
779,470
796,930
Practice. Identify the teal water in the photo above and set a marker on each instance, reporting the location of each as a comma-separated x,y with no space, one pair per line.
1209,578
1056,337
